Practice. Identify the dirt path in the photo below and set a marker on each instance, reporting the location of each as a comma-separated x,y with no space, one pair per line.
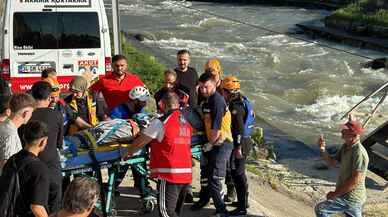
264,201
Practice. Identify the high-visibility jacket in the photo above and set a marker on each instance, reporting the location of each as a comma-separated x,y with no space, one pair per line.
171,158
92,111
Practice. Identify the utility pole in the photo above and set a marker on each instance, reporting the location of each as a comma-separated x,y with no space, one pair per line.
116,27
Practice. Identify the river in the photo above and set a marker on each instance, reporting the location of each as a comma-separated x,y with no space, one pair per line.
299,87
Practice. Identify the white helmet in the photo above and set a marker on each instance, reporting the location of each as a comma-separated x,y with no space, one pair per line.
140,93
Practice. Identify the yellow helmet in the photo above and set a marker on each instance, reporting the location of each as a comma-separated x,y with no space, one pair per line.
231,83
54,85
215,65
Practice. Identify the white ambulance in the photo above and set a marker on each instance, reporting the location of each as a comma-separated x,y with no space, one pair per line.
68,35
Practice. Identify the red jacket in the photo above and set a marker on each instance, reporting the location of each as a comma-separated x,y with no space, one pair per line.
171,158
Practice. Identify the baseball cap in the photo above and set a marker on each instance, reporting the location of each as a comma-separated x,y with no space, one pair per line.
353,126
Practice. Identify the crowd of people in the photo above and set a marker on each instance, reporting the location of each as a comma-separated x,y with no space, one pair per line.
33,126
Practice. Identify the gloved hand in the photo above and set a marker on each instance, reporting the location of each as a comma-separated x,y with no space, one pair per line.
207,147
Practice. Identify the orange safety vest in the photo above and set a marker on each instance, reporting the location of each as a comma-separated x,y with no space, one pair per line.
171,158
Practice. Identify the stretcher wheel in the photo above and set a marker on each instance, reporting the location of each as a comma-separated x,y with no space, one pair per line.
113,213
149,204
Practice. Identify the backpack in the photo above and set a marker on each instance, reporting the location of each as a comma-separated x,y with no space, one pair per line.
10,187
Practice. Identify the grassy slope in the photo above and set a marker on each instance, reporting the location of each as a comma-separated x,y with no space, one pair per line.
145,65
370,12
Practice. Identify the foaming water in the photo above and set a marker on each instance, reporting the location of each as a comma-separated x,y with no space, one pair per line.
295,85
329,108
205,23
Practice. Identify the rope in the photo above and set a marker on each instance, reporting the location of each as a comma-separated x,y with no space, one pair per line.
272,31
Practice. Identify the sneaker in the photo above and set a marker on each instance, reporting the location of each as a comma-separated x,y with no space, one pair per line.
238,212
189,198
199,205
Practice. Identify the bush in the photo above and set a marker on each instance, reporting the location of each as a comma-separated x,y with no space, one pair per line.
364,11
145,65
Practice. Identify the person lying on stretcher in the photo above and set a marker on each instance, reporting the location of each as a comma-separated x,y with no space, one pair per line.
105,134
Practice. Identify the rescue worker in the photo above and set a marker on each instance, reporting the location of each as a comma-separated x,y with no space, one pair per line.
50,75
170,160
243,118
189,112
213,66
84,105
55,99
57,103
137,100
217,121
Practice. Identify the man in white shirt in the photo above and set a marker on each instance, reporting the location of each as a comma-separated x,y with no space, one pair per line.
21,105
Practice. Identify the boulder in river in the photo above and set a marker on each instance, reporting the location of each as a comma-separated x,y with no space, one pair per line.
376,63
143,36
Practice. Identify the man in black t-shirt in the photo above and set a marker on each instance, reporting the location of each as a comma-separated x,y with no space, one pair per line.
33,174
41,91
186,75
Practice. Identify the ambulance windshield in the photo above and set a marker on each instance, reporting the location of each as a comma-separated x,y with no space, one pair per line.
60,30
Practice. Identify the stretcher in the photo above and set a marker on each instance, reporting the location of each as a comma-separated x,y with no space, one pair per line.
110,158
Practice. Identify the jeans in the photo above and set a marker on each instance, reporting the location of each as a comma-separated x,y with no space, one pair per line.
338,205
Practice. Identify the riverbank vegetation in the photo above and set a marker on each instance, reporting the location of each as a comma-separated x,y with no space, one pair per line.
368,18
370,12
145,65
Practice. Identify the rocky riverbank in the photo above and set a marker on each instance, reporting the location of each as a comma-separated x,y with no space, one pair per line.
365,18
362,24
